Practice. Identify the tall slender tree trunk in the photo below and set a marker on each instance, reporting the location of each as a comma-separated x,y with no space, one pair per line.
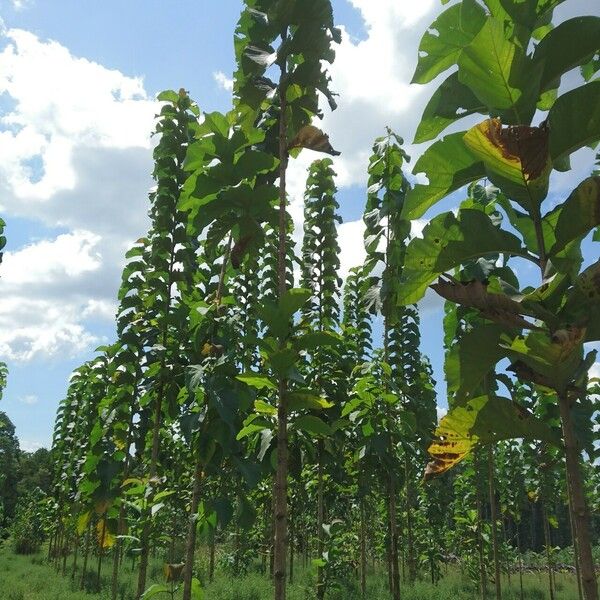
394,539
292,531
363,549
101,551
578,504
86,553
548,543
575,548
147,528
190,542
494,518
412,563
280,542
211,557
482,573
521,596
320,522
75,556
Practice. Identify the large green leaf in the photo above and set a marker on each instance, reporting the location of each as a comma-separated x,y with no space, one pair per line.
441,46
527,13
448,165
483,420
450,102
499,73
574,120
547,361
312,425
567,46
578,215
471,359
447,242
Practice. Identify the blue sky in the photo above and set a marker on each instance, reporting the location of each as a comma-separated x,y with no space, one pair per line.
77,88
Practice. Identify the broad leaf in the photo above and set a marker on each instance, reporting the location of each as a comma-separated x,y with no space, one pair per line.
499,73
578,215
442,44
447,242
574,120
259,382
567,46
471,358
450,102
448,165
551,362
312,425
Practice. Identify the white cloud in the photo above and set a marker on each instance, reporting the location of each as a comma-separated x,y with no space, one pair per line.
224,82
75,152
67,256
32,446
29,399
21,4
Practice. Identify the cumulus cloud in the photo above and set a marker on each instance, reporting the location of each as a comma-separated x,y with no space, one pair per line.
75,153
224,82
29,399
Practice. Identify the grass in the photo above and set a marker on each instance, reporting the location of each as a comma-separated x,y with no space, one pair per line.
32,578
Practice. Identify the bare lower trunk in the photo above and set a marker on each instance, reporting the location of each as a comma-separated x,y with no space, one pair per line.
363,550
575,549
190,543
578,505
412,563
101,551
494,517
75,556
280,538
482,574
394,540
320,523
86,553
548,542
146,516
211,559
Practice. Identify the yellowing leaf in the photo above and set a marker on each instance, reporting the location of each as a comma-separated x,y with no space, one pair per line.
83,521
516,155
481,421
105,538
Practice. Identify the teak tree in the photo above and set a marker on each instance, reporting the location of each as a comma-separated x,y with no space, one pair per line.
541,330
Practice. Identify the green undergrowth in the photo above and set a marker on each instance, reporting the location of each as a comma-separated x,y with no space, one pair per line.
32,578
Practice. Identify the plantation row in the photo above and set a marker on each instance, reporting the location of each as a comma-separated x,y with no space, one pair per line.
253,405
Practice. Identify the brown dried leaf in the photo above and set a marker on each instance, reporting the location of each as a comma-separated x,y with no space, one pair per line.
313,138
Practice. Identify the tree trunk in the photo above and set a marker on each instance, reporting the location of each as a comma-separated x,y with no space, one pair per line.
575,550
548,544
320,522
578,505
85,555
75,556
291,574
280,542
482,574
394,540
363,550
101,551
190,543
412,566
494,518
211,559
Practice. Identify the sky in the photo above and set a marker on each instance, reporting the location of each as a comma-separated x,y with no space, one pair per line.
78,82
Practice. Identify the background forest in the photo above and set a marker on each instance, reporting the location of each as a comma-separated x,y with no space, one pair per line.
261,427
